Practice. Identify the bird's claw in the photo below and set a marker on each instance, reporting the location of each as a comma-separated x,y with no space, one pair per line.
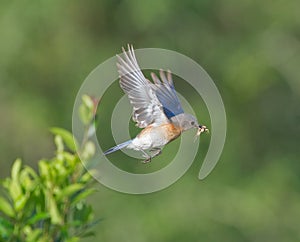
147,160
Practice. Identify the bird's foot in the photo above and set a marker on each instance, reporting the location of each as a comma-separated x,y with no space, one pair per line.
147,158
154,152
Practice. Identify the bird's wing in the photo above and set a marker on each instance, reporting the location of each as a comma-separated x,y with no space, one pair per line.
146,107
166,94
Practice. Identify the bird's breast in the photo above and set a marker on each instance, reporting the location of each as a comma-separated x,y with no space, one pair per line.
156,136
167,132
172,131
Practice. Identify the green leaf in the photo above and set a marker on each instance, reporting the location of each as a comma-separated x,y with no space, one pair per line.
44,169
83,212
70,159
6,208
85,114
88,101
38,217
61,170
86,109
31,172
34,235
28,179
59,143
20,202
15,190
66,136
88,150
16,169
6,183
53,210
84,194
27,229
6,229
86,177
69,190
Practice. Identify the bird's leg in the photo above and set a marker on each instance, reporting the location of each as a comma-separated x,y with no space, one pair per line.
148,157
156,152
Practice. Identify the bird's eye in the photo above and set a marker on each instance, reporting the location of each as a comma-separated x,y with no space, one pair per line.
192,123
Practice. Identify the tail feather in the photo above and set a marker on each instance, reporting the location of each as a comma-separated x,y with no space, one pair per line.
117,147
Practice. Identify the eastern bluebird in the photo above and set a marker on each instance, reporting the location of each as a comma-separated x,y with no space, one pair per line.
156,108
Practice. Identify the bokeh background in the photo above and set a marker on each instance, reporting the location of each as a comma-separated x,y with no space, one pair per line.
250,48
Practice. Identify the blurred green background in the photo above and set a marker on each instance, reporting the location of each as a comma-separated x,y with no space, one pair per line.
251,49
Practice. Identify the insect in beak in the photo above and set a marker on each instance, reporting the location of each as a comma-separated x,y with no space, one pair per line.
201,129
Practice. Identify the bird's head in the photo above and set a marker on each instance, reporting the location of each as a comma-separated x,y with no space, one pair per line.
187,121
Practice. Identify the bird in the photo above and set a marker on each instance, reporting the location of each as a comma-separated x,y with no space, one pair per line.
156,108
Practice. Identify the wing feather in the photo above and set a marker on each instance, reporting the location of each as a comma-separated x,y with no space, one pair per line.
166,94
147,109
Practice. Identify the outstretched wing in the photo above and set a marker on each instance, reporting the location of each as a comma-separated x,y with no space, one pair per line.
147,109
166,94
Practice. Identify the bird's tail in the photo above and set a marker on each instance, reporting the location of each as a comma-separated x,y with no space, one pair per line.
117,147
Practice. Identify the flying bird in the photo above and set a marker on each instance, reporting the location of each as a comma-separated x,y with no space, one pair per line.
156,108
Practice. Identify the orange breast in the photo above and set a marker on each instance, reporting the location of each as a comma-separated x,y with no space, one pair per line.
172,132
168,131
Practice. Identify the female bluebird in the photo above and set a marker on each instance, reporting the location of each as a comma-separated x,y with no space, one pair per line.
156,108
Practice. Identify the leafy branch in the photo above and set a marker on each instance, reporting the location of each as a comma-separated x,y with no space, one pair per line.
50,204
